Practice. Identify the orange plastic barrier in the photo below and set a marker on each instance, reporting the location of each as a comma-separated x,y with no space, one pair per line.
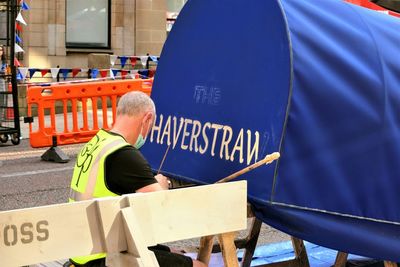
82,99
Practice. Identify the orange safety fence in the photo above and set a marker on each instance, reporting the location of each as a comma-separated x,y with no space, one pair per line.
77,101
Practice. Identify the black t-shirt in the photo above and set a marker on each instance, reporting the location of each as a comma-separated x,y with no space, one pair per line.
127,171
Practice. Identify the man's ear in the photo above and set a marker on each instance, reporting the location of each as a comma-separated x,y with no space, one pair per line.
148,120
148,117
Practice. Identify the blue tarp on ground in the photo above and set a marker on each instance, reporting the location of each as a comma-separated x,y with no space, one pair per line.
316,80
317,256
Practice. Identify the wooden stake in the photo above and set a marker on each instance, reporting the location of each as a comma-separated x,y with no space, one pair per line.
268,159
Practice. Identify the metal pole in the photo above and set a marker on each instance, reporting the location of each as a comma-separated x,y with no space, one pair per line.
8,8
14,9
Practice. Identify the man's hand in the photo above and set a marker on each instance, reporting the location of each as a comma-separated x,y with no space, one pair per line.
163,181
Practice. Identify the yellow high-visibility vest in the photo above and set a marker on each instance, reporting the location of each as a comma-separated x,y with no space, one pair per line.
88,180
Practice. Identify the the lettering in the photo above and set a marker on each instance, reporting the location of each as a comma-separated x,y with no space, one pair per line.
215,139
156,128
207,95
25,233
205,138
10,241
166,132
252,151
238,147
41,229
226,139
195,134
185,133
216,128
176,134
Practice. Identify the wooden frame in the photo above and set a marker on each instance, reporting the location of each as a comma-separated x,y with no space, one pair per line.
228,247
121,226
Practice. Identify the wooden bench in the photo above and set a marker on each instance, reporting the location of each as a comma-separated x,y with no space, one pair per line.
121,226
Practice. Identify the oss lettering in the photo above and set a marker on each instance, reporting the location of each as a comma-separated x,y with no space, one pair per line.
26,233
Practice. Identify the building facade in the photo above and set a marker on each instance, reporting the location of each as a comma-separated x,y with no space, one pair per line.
64,32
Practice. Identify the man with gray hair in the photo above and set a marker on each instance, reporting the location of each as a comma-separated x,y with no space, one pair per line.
110,164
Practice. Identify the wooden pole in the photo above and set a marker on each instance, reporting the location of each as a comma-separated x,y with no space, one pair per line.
268,159
162,161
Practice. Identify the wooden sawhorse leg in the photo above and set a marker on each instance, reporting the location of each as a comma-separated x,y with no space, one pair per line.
341,260
390,264
249,244
228,248
206,246
301,253
227,245
300,260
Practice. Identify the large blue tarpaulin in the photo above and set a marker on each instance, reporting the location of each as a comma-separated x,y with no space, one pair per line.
316,80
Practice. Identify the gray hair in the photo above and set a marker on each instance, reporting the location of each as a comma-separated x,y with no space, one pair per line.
135,103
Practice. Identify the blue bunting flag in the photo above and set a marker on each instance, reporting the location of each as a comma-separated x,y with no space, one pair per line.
32,72
94,73
25,6
143,73
19,76
17,38
123,61
114,71
154,58
64,73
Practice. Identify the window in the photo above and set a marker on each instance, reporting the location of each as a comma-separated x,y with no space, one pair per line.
3,23
173,9
88,23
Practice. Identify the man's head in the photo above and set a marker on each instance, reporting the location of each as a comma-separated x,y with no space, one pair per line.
135,103
135,117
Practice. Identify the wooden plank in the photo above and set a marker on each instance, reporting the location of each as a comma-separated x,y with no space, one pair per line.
122,260
39,233
192,212
111,221
341,259
136,241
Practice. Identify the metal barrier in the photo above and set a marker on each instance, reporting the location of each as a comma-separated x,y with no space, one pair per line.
76,101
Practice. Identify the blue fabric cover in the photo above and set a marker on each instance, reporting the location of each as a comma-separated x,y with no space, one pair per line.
317,80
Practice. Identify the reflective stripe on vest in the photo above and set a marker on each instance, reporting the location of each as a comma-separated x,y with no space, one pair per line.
88,180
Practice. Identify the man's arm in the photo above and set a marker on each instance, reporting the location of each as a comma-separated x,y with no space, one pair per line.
163,184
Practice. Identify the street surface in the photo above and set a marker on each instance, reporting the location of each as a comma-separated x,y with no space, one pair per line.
27,181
